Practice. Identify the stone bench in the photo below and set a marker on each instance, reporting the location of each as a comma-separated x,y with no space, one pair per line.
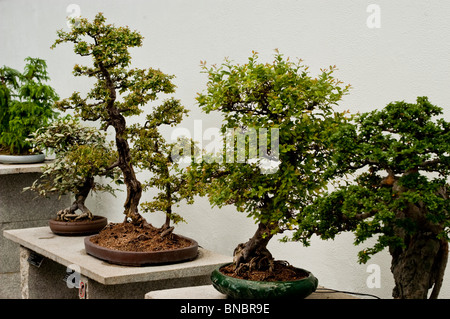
47,262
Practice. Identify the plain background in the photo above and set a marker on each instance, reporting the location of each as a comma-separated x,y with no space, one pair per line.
407,56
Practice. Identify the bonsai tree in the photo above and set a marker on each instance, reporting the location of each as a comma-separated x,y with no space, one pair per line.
120,92
400,194
26,104
298,109
81,154
152,153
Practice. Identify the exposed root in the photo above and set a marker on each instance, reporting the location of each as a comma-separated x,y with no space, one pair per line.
69,214
261,260
167,232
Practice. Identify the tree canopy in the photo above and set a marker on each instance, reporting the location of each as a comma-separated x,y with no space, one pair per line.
282,101
401,158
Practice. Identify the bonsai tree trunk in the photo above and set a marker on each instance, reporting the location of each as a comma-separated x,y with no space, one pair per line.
166,229
421,264
69,213
418,267
134,187
254,253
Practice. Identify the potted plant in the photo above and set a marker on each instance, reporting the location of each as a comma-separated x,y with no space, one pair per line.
81,155
26,104
293,112
400,195
120,92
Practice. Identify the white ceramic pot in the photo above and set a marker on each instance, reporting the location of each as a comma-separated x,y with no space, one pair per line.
22,159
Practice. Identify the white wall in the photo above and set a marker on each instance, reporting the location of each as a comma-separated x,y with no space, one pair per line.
408,56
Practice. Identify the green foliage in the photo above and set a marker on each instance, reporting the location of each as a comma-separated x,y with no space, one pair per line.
26,104
152,153
108,46
282,96
403,151
120,92
80,153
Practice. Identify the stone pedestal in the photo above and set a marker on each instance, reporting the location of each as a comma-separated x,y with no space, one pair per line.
20,209
57,266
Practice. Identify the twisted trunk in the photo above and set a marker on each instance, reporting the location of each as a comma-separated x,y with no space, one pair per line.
254,253
80,198
420,264
134,187
419,267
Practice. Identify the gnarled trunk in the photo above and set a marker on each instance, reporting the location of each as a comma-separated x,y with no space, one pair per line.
254,253
420,265
80,198
134,187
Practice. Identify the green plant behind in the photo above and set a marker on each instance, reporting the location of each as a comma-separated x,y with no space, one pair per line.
26,104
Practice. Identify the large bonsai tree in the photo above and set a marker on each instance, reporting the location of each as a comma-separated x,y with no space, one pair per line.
120,92
26,104
400,195
81,154
284,102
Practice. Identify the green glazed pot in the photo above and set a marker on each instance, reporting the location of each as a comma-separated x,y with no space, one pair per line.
246,289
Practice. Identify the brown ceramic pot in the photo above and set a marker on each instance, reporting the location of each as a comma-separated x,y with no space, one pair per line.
134,258
78,228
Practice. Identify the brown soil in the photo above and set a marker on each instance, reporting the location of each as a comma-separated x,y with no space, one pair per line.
127,237
282,272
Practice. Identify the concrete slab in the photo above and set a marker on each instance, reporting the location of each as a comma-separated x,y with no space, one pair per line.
209,292
6,169
103,280
199,292
70,250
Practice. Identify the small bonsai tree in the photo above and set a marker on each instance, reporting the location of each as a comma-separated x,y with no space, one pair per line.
400,195
280,96
26,104
81,154
120,92
152,153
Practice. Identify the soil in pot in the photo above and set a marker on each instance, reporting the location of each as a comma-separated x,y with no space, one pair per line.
130,245
78,227
281,272
127,237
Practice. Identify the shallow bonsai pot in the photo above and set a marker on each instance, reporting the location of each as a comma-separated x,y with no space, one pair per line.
134,258
78,228
247,289
22,159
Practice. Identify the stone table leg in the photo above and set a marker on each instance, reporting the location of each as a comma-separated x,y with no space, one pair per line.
42,278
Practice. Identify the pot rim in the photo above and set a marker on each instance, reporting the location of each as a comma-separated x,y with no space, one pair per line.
22,159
